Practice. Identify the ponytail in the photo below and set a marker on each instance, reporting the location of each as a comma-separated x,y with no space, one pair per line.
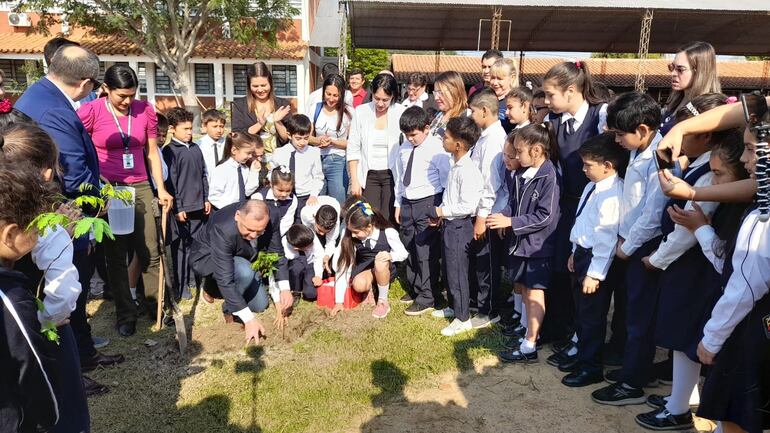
239,140
358,216
566,74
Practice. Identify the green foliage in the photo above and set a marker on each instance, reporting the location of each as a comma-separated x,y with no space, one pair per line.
624,56
48,220
50,332
265,263
33,71
757,58
369,60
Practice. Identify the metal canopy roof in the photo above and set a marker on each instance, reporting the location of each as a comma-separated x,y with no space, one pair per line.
739,27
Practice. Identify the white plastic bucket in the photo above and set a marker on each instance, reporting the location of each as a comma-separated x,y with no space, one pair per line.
120,214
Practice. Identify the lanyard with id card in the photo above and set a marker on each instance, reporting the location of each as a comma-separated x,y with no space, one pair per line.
128,158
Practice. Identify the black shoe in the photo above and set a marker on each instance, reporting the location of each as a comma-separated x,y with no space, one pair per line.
416,309
664,371
569,365
562,346
582,377
100,360
612,359
656,401
618,394
93,387
520,330
613,376
516,317
517,357
406,299
507,329
514,342
662,419
127,329
556,359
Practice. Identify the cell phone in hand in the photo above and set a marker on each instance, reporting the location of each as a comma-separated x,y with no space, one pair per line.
664,159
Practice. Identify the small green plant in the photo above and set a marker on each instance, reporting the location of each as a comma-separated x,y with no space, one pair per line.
49,221
265,263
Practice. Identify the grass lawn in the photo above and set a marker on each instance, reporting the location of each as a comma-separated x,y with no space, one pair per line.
321,375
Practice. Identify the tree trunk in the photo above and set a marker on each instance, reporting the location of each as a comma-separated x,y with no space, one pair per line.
187,90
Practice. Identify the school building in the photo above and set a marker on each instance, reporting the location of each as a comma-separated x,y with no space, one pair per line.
218,69
618,74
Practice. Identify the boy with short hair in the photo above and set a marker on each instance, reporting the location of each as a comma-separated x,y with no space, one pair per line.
487,154
305,254
459,203
594,238
303,161
212,144
634,118
187,182
421,172
324,219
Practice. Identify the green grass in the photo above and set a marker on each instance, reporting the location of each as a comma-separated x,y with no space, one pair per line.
324,375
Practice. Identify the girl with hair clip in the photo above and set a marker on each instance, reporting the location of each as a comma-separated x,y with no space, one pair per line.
518,107
693,73
688,285
370,247
532,214
735,337
504,76
451,100
578,113
240,172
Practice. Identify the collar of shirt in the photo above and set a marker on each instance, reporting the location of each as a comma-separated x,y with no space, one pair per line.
72,102
521,125
374,236
703,159
579,116
606,184
530,173
234,164
646,153
490,128
179,142
210,141
294,149
465,159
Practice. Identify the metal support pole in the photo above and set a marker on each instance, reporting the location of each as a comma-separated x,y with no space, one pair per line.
342,51
497,16
644,46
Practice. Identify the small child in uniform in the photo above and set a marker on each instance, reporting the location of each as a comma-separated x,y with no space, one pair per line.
304,254
238,174
212,144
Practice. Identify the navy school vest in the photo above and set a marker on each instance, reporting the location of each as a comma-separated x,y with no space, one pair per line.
573,180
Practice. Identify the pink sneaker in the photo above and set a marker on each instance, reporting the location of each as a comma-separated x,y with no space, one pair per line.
381,310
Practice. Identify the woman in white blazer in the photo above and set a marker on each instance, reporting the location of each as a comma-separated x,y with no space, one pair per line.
373,144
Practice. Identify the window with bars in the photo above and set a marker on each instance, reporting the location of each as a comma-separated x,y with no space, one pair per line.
162,82
141,73
204,79
14,70
239,80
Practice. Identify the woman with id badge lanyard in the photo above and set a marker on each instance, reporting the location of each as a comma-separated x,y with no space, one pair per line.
121,127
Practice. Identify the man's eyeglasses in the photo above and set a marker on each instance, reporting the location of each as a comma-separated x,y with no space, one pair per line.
678,68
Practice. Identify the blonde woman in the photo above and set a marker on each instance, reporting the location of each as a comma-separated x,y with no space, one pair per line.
503,76
451,100
693,73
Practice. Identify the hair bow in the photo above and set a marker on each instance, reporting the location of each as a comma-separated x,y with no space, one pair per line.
579,64
691,108
365,207
731,100
284,169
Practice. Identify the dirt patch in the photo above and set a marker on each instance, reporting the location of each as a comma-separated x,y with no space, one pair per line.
497,398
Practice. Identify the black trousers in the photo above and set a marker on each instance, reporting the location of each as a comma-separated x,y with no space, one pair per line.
643,291
379,192
484,271
456,236
78,318
73,406
301,275
592,309
182,234
423,244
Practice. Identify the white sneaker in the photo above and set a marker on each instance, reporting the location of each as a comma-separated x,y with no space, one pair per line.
456,327
483,321
446,313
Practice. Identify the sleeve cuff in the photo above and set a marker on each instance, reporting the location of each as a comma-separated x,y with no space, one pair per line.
656,261
596,275
245,315
711,346
483,213
626,250
704,234
284,286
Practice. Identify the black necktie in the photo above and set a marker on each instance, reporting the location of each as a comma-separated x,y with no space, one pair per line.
241,185
582,205
293,162
216,154
408,174
570,126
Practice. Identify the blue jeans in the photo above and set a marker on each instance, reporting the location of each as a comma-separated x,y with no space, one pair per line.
248,283
335,177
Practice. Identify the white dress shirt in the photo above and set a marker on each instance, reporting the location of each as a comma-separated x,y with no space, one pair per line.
580,117
208,146
53,255
314,255
748,283
596,228
707,238
397,251
307,216
420,101
308,175
317,95
326,124
430,168
463,188
487,154
223,189
288,219
682,239
643,201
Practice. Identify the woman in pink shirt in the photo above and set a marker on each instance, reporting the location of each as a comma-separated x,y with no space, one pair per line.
122,129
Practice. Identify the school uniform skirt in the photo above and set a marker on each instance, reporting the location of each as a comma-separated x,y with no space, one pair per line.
365,262
737,387
689,289
531,272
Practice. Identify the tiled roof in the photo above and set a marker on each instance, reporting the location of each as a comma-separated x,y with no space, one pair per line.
613,72
21,43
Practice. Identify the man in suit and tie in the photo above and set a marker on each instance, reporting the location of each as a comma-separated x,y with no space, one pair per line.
223,253
51,102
